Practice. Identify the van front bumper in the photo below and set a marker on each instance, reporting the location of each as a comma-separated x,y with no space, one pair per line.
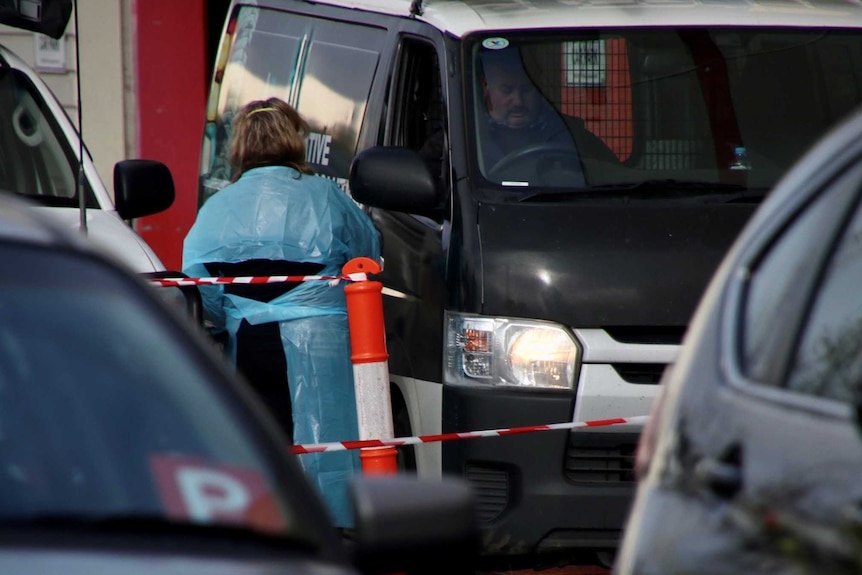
543,492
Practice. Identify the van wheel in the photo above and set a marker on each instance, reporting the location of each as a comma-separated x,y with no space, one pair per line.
401,427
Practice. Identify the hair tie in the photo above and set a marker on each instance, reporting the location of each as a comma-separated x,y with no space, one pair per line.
267,109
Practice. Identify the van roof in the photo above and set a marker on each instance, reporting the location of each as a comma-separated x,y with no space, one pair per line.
461,17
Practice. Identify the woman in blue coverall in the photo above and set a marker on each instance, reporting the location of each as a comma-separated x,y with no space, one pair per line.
290,340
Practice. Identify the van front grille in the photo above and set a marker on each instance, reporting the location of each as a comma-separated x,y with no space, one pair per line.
603,460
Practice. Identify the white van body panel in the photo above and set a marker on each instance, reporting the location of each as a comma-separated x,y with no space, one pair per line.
424,404
462,18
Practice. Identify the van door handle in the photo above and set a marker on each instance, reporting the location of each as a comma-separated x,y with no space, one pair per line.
724,478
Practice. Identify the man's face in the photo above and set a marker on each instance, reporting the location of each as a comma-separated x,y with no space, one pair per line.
512,98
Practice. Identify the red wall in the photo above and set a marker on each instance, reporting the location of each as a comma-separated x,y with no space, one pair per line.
171,97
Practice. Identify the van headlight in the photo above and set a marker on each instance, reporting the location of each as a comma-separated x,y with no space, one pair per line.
494,351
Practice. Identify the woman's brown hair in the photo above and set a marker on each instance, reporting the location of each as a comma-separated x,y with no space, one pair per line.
268,133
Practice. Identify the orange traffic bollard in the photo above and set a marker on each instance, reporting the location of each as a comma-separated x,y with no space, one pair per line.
379,460
370,366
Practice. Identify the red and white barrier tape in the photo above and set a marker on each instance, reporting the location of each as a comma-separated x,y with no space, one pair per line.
251,280
399,441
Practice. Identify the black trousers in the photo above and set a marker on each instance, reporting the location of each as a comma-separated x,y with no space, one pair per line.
260,354
260,359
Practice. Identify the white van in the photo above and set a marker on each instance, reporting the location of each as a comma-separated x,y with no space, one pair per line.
40,150
554,284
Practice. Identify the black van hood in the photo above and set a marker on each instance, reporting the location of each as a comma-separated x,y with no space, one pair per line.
603,265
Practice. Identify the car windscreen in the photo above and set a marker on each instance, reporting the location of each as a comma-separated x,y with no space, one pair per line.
105,413
36,160
673,112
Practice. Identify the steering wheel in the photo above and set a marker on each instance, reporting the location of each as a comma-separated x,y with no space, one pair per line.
533,152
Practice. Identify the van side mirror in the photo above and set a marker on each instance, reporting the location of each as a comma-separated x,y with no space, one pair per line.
394,178
142,188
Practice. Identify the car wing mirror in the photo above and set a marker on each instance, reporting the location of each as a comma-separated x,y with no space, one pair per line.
142,188
409,524
49,17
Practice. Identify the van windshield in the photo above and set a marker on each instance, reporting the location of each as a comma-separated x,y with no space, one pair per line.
694,111
35,159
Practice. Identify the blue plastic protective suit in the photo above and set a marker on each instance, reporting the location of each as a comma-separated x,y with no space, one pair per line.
273,213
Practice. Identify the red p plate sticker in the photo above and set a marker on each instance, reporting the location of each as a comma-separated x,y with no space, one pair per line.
195,489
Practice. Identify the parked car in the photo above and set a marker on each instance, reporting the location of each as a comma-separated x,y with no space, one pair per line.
128,446
751,460
43,158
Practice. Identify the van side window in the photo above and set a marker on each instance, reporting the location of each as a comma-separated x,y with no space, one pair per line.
322,67
418,119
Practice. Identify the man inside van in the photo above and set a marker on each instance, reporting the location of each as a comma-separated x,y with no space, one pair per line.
519,119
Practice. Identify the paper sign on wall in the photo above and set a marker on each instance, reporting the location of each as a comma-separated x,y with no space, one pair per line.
585,63
50,54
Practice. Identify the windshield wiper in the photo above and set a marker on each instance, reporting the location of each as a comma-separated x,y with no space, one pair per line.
669,188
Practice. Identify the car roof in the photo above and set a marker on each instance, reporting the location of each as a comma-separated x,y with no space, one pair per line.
461,17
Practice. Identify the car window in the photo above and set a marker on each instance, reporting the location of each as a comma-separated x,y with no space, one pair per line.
35,158
828,362
105,411
324,68
418,117
781,280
